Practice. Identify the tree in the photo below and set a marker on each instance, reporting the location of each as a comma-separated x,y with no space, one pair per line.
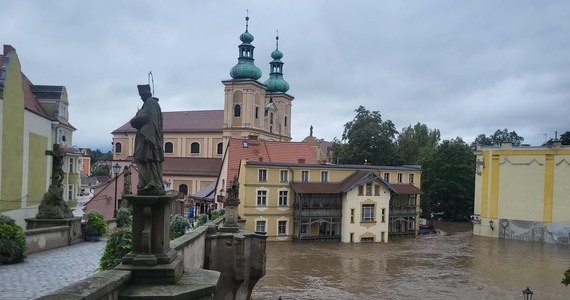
448,180
366,138
564,139
416,143
499,137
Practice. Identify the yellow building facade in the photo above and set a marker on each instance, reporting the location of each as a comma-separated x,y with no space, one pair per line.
523,193
349,203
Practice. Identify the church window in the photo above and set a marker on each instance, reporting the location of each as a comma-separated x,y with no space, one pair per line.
285,121
195,148
257,112
271,118
168,147
220,149
118,147
237,110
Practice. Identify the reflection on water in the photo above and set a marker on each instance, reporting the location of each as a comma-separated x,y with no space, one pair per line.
458,266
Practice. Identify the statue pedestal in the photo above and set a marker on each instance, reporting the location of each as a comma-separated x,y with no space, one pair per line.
151,259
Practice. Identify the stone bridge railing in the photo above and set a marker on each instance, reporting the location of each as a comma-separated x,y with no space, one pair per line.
203,247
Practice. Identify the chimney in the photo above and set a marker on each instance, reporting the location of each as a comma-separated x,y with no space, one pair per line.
260,157
301,159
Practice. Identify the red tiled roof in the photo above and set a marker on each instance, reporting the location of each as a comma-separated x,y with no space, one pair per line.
191,166
405,189
283,152
186,121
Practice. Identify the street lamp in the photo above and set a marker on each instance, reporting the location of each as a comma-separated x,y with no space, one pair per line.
527,294
116,170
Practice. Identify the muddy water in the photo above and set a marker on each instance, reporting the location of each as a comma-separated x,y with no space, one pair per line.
455,266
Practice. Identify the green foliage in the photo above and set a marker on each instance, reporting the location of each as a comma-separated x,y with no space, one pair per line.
12,241
566,278
448,180
222,211
201,220
95,221
118,245
104,170
416,144
214,215
178,226
499,137
366,138
124,217
564,139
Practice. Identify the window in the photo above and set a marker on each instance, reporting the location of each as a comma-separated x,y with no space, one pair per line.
324,176
383,215
71,165
367,212
70,192
237,110
118,147
168,147
352,237
183,189
283,198
283,175
262,175
282,228
369,189
387,177
400,177
352,215
376,190
285,121
411,178
366,239
195,148
260,226
271,118
305,176
220,149
257,112
382,236
360,190
261,198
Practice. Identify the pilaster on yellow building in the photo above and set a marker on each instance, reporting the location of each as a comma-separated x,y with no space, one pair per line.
523,193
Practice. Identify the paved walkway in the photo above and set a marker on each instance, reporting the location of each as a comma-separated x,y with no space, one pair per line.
47,271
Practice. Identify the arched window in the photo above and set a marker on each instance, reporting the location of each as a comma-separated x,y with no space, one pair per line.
220,148
118,147
237,110
168,147
183,189
195,148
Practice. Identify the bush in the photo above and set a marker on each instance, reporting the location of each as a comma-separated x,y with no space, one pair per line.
118,245
178,226
95,221
201,220
222,211
124,218
12,241
214,215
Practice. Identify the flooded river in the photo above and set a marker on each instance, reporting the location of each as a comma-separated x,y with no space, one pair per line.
453,266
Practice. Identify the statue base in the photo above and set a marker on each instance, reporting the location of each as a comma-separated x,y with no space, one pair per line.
153,274
151,230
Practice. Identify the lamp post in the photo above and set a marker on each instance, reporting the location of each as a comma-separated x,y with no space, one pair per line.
527,294
116,170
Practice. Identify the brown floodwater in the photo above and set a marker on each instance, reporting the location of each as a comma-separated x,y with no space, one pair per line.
458,265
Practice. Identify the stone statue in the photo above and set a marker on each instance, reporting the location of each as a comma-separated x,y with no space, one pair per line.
127,181
148,154
53,206
233,192
311,131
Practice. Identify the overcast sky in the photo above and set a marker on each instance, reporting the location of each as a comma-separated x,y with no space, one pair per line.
463,67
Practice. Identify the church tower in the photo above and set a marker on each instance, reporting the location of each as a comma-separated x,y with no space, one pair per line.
278,102
248,111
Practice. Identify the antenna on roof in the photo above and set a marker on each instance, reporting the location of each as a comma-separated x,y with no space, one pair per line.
151,80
